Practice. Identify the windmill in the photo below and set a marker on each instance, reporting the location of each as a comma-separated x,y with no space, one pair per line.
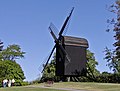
70,52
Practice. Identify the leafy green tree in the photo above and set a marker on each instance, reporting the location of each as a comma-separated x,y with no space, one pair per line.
106,73
9,69
12,52
49,72
112,62
92,63
113,56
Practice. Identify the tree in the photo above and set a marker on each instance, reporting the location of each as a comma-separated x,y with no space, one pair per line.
12,52
9,69
112,62
92,63
113,56
49,72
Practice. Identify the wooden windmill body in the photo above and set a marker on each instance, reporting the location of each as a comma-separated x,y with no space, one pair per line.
70,53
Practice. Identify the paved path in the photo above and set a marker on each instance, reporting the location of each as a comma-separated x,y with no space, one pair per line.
67,89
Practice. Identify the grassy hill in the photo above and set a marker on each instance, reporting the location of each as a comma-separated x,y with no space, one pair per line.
70,86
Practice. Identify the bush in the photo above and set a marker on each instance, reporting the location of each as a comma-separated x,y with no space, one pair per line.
109,78
35,82
24,83
21,83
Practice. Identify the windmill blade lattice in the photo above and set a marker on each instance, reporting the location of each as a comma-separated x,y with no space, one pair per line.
58,39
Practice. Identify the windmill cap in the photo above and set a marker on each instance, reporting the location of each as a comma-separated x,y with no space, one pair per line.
75,41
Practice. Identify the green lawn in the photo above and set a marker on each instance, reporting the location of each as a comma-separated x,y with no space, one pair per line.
89,86
28,89
67,85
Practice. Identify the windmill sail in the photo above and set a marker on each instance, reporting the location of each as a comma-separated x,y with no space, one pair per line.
65,23
58,39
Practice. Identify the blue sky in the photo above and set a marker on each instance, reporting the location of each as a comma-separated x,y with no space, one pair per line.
26,22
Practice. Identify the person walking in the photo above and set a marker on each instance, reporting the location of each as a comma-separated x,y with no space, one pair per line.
9,83
13,81
5,81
